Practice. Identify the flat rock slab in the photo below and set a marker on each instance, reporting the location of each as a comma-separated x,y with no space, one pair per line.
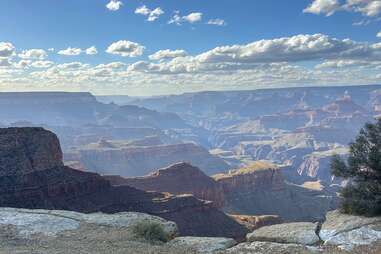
271,248
297,233
348,231
50,222
203,244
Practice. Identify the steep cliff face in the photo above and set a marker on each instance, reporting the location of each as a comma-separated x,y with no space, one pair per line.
32,176
180,178
24,151
265,192
141,160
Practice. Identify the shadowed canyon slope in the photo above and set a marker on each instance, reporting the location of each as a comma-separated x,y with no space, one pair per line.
33,176
255,190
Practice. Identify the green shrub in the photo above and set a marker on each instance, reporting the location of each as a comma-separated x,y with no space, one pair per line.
151,231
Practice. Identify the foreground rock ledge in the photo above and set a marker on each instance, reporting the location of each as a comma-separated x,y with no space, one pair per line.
348,231
203,244
28,223
297,233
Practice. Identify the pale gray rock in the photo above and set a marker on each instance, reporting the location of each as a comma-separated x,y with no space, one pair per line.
50,223
298,233
203,244
272,248
348,231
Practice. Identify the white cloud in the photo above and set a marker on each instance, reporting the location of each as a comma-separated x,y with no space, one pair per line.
91,51
216,22
114,5
42,64
6,49
379,34
190,18
167,54
4,62
33,54
125,48
22,64
112,65
72,65
327,7
152,15
70,52
368,8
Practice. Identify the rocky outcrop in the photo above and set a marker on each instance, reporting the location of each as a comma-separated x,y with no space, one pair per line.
349,232
203,244
39,182
24,151
54,232
254,222
180,178
141,160
264,191
299,233
53,222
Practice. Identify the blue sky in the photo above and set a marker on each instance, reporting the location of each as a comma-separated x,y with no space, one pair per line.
198,63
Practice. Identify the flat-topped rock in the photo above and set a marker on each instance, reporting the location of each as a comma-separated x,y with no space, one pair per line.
203,244
298,233
51,222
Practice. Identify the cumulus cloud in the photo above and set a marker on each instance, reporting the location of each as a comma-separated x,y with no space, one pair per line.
125,48
91,51
33,54
249,56
167,54
42,64
6,49
326,7
112,65
190,18
368,8
70,51
379,34
216,22
114,5
152,15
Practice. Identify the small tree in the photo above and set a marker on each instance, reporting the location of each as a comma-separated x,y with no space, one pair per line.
362,195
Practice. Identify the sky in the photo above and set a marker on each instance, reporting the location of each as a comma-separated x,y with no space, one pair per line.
154,47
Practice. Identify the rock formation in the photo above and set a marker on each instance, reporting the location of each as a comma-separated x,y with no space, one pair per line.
180,178
254,191
33,176
245,193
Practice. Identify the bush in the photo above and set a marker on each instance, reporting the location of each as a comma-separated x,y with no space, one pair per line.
151,231
362,196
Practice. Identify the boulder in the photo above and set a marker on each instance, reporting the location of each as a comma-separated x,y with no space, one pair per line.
298,233
203,244
349,231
